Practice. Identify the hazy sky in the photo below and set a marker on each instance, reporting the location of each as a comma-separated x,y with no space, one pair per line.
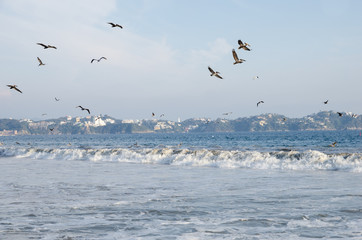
304,53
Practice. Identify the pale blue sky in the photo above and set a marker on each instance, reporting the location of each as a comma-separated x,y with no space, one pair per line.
304,53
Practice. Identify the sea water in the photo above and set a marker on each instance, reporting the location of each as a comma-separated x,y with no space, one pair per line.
280,185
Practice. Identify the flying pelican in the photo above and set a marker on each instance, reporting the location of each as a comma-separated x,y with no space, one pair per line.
259,103
46,46
325,102
56,99
243,45
115,25
40,62
213,73
98,59
86,109
340,114
237,60
15,88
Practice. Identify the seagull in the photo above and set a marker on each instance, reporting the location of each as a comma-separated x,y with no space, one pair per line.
98,59
237,60
325,102
15,88
340,114
40,62
162,115
333,144
46,46
243,45
51,129
213,73
82,108
56,99
115,25
259,103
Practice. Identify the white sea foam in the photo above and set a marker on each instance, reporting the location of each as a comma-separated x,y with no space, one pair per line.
292,160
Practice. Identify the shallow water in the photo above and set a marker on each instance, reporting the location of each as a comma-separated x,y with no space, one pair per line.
92,191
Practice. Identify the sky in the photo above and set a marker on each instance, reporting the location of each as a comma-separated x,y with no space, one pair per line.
304,53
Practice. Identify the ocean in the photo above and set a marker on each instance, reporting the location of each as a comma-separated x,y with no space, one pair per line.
271,185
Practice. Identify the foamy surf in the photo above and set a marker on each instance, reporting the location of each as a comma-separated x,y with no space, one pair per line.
283,160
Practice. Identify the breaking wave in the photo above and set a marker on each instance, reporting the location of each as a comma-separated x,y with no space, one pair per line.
284,160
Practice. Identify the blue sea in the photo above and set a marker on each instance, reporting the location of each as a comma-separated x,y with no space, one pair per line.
274,185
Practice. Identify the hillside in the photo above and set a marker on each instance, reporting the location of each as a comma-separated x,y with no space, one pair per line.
108,125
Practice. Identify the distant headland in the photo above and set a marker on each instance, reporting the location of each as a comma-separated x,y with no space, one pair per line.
324,120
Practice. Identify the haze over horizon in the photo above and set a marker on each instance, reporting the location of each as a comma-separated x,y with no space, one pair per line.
304,52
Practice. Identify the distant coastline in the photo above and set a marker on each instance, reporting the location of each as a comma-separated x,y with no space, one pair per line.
322,121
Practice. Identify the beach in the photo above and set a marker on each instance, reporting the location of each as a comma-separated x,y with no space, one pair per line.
45,196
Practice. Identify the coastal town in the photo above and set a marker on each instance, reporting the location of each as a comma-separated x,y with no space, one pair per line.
322,121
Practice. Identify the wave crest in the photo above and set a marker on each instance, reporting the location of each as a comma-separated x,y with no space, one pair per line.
286,160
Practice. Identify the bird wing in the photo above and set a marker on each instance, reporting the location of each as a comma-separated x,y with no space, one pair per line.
17,89
246,48
43,45
117,25
217,75
10,86
87,110
210,69
103,58
50,46
235,55
39,60
113,25
93,60
240,42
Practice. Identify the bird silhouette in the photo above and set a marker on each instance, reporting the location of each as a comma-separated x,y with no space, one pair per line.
236,58
98,59
213,73
57,99
153,114
46,46
259,103
15,88
333,144
115,25
243,45
40,62
84,109
340,114
325,102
